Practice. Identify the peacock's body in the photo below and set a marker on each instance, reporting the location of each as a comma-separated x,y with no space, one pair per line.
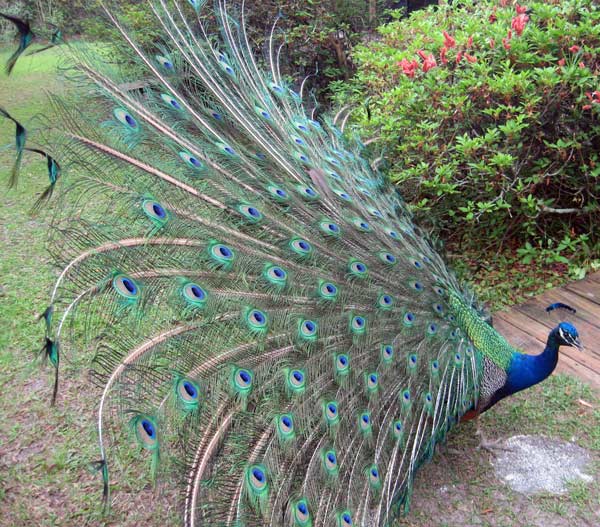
266,319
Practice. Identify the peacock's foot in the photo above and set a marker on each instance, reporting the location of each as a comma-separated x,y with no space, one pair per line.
493,446
489,445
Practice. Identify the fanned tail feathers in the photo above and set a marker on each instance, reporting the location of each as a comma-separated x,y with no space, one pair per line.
264,316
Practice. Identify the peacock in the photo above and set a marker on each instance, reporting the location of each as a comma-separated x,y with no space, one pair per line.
266,322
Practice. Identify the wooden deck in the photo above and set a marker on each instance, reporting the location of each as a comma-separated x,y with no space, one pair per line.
526,326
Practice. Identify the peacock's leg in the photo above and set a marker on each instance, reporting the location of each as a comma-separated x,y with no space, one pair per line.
486,443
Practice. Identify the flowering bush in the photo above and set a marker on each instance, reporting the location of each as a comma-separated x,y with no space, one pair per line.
497,144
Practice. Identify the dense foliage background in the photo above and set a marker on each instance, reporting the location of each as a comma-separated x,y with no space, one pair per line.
488,114
320,34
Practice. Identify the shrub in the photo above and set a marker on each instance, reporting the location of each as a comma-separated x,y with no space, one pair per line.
488,114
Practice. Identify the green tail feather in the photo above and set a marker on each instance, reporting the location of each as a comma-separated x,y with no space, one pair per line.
262,310
20,140
26,37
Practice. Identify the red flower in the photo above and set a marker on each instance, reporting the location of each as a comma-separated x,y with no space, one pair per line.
443,52
449,42
506,43
518,23
574,48
492,18
459,56
594,97
429,63
409,68
521,9
587,107
470,58
470,42
428,60
562,62
492,43
582,64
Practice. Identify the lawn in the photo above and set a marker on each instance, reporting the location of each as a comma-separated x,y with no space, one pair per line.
45,451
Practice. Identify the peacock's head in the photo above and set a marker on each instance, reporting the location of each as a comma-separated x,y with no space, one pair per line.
567,335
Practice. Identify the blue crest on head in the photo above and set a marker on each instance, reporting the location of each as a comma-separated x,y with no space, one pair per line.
567,332
568,327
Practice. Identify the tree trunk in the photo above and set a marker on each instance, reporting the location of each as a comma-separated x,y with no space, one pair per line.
372,12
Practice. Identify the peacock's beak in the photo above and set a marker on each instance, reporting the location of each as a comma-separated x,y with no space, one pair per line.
577,344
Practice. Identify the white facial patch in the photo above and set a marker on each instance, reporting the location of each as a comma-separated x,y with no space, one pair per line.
563,335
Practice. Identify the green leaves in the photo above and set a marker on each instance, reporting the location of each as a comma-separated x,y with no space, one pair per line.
498,142
551,253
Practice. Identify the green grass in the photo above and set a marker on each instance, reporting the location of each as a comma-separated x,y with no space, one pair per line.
44,451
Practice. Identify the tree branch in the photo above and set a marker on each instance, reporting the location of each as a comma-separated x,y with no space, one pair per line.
552,210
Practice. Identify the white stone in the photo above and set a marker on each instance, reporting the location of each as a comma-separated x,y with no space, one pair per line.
538,464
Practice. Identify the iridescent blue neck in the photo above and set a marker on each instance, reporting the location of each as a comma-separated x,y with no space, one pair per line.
526,370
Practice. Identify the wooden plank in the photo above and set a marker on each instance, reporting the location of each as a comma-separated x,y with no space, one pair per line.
589,289
595,277
586,310
540,332
588,332
526,341
515,335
